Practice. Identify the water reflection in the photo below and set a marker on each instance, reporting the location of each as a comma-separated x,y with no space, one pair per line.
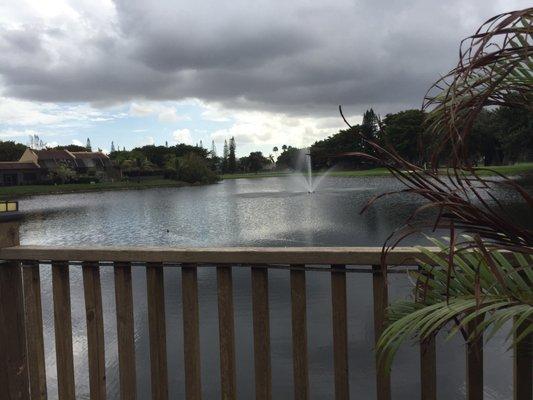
265,212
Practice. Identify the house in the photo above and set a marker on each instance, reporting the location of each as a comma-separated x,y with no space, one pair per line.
16,173
35,166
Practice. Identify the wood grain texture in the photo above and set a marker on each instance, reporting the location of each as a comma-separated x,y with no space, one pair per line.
191,332
13,364
381,302
340,331
231,255
523,365
226,326
261,328
63,330
299,335
157,330
474,366
428,369
34,330
95,330
125,331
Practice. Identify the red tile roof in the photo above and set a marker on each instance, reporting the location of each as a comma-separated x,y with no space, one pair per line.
13,165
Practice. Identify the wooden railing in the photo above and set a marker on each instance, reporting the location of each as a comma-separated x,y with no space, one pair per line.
22,362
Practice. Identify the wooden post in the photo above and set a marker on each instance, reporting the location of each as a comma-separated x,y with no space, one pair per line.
381,302
340,331
428,353
474,366
14,381
299,334
261,328
523,365
226,326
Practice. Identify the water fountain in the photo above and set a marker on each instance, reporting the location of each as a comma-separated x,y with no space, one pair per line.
305,167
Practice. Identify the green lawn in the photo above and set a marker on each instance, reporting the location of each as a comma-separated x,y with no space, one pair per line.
31,190
509,170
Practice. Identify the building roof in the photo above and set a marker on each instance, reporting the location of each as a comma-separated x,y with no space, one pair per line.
89,155
54,154
13,165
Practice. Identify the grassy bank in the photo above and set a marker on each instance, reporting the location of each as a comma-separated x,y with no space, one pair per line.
509,170
32,190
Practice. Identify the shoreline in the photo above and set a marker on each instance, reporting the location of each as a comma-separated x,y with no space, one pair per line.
25,191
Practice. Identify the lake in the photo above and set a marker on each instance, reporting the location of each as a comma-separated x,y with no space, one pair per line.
247,212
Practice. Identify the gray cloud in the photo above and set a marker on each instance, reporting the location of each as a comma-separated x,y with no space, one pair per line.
301,57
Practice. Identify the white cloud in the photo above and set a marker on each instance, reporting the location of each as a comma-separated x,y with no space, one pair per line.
254,128
77,142
12,134
165,113
170,115
182,136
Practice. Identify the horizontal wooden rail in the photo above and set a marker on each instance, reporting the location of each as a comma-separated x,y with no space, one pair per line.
231,255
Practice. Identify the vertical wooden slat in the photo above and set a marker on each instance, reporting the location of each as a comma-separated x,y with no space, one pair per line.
381,302
63,330
340,331
299,334
226,327
523,365
261,327
95,330
157,330
125,331
13,364
34,330
191,332
428,370
428,353
474,366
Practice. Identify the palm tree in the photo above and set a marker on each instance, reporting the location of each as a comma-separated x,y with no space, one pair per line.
472,285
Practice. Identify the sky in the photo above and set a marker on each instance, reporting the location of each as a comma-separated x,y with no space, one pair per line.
267,72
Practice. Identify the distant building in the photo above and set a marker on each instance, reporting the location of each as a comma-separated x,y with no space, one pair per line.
34,166
14,173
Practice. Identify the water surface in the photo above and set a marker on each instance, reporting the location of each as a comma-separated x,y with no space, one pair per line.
247,212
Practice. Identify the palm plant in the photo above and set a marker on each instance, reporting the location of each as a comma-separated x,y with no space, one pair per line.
472,283
485,287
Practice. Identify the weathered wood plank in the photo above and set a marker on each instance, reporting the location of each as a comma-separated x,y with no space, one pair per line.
157,330
340,331
428,369
125,331
261,328
299,335
523,365
428,353
381,302
63,330
226,327
95,330
248,255
191,332
474,366
34,330
13,364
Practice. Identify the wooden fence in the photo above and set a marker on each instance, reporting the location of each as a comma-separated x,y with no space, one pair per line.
22,362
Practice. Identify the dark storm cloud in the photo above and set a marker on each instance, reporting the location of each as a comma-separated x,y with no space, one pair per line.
300,57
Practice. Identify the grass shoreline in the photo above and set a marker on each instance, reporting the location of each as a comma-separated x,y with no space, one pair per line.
510,170
16,192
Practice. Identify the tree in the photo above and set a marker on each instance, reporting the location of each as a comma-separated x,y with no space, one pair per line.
404,131
284,147
289,158
232,161
213,149
255,162
225,155
88,145
11,151
112,147
70,147
36,143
